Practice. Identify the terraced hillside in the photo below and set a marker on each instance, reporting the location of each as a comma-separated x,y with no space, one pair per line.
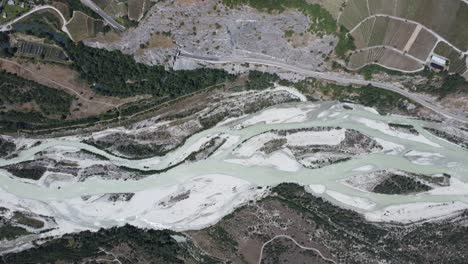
389,58
413,27
423,45
448,18
457,63
386,31
82,26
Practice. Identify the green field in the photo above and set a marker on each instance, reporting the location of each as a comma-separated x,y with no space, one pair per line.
42,52
82,26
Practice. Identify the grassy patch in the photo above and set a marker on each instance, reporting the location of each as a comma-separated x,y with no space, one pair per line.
11,232
22,219
81,26
345,43
260,80
321,20
289,33
398,184
368,71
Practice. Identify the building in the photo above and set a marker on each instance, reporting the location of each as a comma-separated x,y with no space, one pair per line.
438,62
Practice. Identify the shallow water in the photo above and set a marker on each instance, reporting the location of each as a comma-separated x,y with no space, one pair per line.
455,162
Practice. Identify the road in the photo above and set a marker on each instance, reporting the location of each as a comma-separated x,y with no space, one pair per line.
297,244
104,15
8,26
329,77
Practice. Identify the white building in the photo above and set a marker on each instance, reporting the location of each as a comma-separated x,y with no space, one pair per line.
438,62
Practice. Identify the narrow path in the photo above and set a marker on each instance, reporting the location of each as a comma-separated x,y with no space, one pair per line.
329,77
297,244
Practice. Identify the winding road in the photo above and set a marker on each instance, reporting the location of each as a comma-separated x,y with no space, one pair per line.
327,76
297,244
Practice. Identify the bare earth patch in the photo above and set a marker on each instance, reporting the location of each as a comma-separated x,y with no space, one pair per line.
160,41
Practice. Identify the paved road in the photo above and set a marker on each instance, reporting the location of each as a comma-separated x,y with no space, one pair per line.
329,77
8,26
106,17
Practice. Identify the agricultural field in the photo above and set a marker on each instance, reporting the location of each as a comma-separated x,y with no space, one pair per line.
448,18
354,12
383,31
381,7
63,8
385,57
82,26
423,45
363,34
394,60
370,27
398,33
73,6
41,51
457,63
